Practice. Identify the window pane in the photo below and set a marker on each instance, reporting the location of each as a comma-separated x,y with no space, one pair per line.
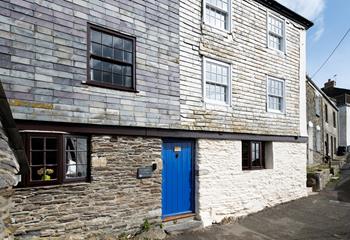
51,157
118,79
43,173
118,42
128,81
106,66
96,49
37,158
127,70
128,57
82,144
71,171
107,40
245,155
118,54
216,18
117,69
96,75
107,52
95,36
128,45
107,77
51,143
96,64
37,143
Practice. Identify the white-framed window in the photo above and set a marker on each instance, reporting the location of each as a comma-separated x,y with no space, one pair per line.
217,81
276,33
275,95
217,14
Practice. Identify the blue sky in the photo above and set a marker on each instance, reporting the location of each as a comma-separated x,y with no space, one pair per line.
332,20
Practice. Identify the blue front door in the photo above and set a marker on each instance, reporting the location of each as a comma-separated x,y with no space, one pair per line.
178,177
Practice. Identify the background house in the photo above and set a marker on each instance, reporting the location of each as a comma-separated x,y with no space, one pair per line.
323,126
342,98
115,100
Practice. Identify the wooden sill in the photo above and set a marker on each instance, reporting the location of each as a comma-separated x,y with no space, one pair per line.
172,218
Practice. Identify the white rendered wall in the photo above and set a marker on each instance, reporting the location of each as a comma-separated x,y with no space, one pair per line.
224,190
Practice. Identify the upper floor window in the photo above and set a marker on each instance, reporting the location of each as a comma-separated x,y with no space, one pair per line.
55,159
334,119
276,33
217,13
326,113
217,81
253,156
111,59
275,95
318,139
318,106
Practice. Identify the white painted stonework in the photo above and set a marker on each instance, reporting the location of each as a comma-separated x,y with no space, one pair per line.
224,190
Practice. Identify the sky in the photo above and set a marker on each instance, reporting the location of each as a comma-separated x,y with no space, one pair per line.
332,20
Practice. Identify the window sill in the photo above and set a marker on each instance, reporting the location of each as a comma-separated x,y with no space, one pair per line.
53,185
277,52
215,30
109,86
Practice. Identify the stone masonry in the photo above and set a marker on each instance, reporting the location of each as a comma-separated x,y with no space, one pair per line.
225,191
8,169
245,48
113,203
43,48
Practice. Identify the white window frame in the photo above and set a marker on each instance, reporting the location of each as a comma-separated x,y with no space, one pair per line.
229,15
229,83
283,110
284,42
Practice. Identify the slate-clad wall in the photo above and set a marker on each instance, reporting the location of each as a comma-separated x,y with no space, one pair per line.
245,48
115,202
43,61
8,169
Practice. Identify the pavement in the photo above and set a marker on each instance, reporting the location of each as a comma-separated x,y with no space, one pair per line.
324,216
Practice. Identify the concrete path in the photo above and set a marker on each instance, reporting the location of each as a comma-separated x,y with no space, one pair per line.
324,216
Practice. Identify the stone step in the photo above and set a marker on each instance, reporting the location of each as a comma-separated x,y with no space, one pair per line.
182,225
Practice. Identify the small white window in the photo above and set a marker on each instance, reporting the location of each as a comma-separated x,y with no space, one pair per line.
276,33
275,95
217,13
216,81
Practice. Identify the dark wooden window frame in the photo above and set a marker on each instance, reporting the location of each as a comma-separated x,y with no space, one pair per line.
262,156
61,163
334,119
89,55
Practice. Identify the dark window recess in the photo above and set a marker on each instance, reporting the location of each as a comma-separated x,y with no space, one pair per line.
111,59
55,159
326,113
253,155
334,120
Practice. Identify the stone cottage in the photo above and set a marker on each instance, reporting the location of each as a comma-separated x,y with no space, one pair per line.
323,126
342,98
153,110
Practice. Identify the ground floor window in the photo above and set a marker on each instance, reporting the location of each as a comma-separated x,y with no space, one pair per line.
253,155
55,158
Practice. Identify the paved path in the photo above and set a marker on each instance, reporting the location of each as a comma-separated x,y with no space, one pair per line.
325,216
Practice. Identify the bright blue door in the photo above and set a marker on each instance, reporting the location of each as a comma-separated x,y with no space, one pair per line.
178,177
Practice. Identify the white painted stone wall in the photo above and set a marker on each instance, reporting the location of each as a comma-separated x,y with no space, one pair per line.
224,190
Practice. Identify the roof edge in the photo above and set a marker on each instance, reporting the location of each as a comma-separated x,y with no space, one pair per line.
274,5
309,80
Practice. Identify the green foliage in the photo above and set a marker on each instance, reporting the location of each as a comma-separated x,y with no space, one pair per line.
146,226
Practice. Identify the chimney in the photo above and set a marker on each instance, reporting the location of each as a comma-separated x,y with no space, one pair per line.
329,84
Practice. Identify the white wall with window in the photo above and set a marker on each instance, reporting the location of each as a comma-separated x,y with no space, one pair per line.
217,81
276,33
275,95
217,13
